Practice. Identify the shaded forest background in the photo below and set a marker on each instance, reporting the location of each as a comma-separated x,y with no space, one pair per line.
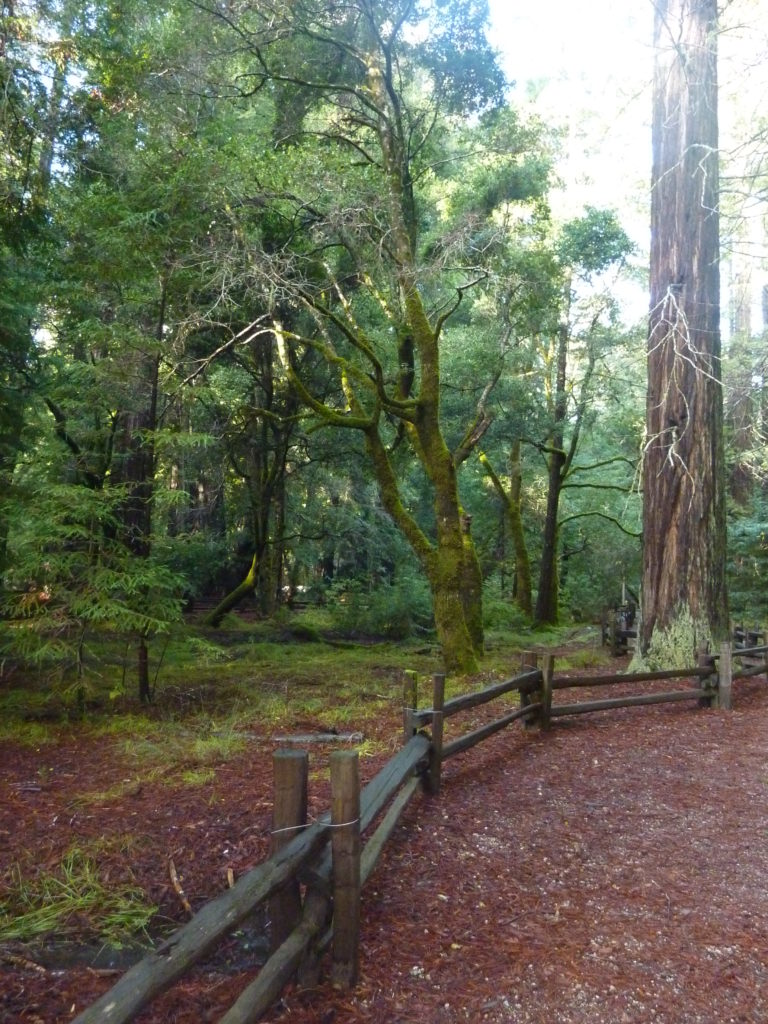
287,311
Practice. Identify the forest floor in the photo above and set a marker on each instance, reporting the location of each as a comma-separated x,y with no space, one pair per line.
610,870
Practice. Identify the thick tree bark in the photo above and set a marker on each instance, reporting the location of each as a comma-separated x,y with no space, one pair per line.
684,493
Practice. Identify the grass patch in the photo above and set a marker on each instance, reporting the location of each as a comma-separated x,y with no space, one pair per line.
73,901
198,744
26,734
255,678
166,752
587,657
198,776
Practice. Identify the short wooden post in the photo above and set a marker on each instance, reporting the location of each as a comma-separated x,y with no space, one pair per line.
725,677
548,672
345,847
436,752
708,683
528,660
410,702
289,814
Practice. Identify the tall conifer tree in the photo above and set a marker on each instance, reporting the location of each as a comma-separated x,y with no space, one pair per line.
684,600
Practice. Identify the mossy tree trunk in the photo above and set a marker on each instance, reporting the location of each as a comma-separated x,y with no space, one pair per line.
684,469
450,563
387,367
234,597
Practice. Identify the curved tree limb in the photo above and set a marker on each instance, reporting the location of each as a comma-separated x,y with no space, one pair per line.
479,426
602,515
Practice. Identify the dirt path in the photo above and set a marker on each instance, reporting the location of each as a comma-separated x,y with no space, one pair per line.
613,870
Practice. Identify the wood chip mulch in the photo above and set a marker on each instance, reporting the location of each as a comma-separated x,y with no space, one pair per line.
613,870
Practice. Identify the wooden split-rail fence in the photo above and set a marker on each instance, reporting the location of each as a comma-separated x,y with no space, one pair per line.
327,860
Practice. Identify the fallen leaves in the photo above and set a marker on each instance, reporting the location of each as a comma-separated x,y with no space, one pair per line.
611,871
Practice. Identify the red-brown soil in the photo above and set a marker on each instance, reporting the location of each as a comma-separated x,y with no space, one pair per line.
611,870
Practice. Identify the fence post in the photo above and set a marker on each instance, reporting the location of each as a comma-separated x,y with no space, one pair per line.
528,661
410,702
289,815
436,753
708,683
725,677
547,671
345,848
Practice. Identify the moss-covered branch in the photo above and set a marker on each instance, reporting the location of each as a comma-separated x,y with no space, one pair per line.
234,597
390,496
479,426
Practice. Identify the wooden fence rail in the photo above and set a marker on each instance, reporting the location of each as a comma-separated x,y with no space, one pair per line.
537,686
194,940
635,700
567,683
525,683
328,856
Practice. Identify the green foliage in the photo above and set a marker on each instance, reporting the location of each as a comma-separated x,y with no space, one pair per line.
594,241
70,900
501,616
174,212
747,561
393,611
196,560
462,62
71,576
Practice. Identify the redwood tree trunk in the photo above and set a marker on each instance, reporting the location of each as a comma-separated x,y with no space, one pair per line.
684,494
